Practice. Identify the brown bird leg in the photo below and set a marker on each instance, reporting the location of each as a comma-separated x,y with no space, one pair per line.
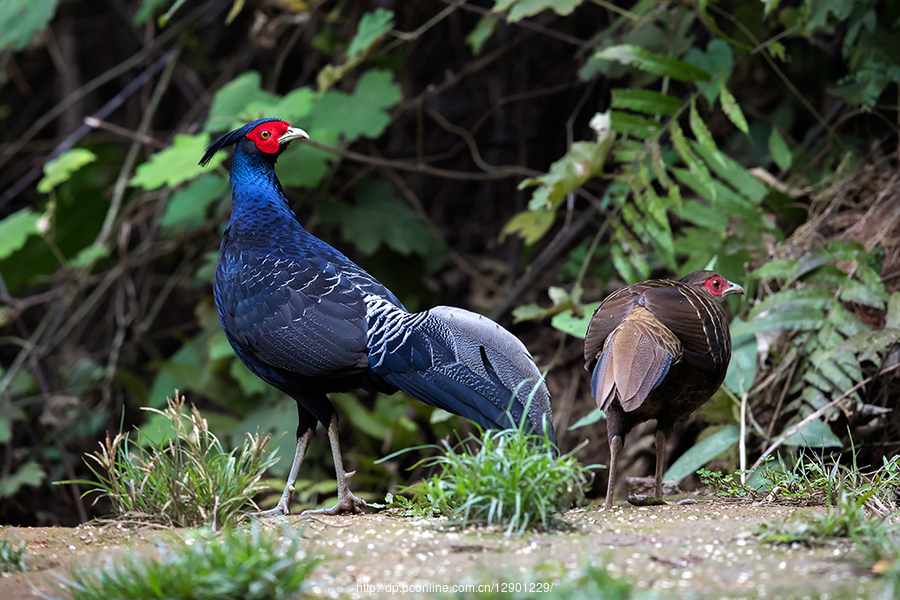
284,505
347,500
660,459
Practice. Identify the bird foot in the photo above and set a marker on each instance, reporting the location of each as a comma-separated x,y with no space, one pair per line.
280,510
349,503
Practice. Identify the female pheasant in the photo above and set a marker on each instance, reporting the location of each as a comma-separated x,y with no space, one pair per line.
658,349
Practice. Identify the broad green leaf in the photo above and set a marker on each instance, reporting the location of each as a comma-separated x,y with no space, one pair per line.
717,60
791,298
87,256
481,34
779,150
176,164
589,419
19,19
249,383
148,7
732,110
583,161
29,473
651,62
531,225
703,452
230,102
272,418
379,218
775,269
817,434
569,322
519,9
742,368
634,125
372,27
645,101
362,114
60,169
15,229
187,208
658,166
302,165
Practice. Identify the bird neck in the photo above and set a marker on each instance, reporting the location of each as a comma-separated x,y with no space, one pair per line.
255,190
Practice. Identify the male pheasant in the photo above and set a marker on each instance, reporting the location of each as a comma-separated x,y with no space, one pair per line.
307,320
657,350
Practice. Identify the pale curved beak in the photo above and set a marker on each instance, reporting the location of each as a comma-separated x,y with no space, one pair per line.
293,133
733,288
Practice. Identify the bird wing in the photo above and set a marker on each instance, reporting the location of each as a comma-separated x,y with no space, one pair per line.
303,315
636,357
697,320
459,361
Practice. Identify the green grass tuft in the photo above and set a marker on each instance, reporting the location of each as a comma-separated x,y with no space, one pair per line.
249,564
12,555
505,478
186,480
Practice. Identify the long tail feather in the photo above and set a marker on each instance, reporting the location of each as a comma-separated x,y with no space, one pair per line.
459,361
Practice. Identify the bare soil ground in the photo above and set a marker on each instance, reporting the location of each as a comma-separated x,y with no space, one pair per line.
703,550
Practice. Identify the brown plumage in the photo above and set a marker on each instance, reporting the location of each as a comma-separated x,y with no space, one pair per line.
657,350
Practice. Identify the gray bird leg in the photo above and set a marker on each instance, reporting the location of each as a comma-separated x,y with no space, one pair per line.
660,460
615,446
347,501
284,505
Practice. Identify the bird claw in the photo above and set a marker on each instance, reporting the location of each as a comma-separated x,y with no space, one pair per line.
350,503
280,510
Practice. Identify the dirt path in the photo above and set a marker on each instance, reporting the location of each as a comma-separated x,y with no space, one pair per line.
703,550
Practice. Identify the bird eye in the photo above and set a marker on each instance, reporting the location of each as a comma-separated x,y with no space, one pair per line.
264,135
717,283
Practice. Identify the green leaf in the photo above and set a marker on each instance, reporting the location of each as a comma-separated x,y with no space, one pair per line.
651,62
531,225
892,318
5,430
15,229
588,419
570,323
817,434
87,256
779,150
30,473
187,208
19,19
717,61
363,114
481,34
60,169
701,132
700,175
703,452
176,164
634,125
583,161
645,101
302,165
372,28
519,9
230,102
733,110
802,319
148,7
742,368
379,218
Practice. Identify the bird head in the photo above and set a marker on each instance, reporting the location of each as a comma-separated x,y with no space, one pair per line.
267,137
713,283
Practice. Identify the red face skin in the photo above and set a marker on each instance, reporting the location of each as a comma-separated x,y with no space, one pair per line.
266,135
715,285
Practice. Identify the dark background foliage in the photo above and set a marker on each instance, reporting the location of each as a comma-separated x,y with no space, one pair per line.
428,118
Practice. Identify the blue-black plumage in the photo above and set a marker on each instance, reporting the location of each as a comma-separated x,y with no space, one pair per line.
307,320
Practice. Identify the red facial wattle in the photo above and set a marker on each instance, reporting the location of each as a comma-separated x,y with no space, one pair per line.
715,285
266,135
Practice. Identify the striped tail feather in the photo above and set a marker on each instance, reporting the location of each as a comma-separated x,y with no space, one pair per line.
459,361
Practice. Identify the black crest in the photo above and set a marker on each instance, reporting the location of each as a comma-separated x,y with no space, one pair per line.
231,138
